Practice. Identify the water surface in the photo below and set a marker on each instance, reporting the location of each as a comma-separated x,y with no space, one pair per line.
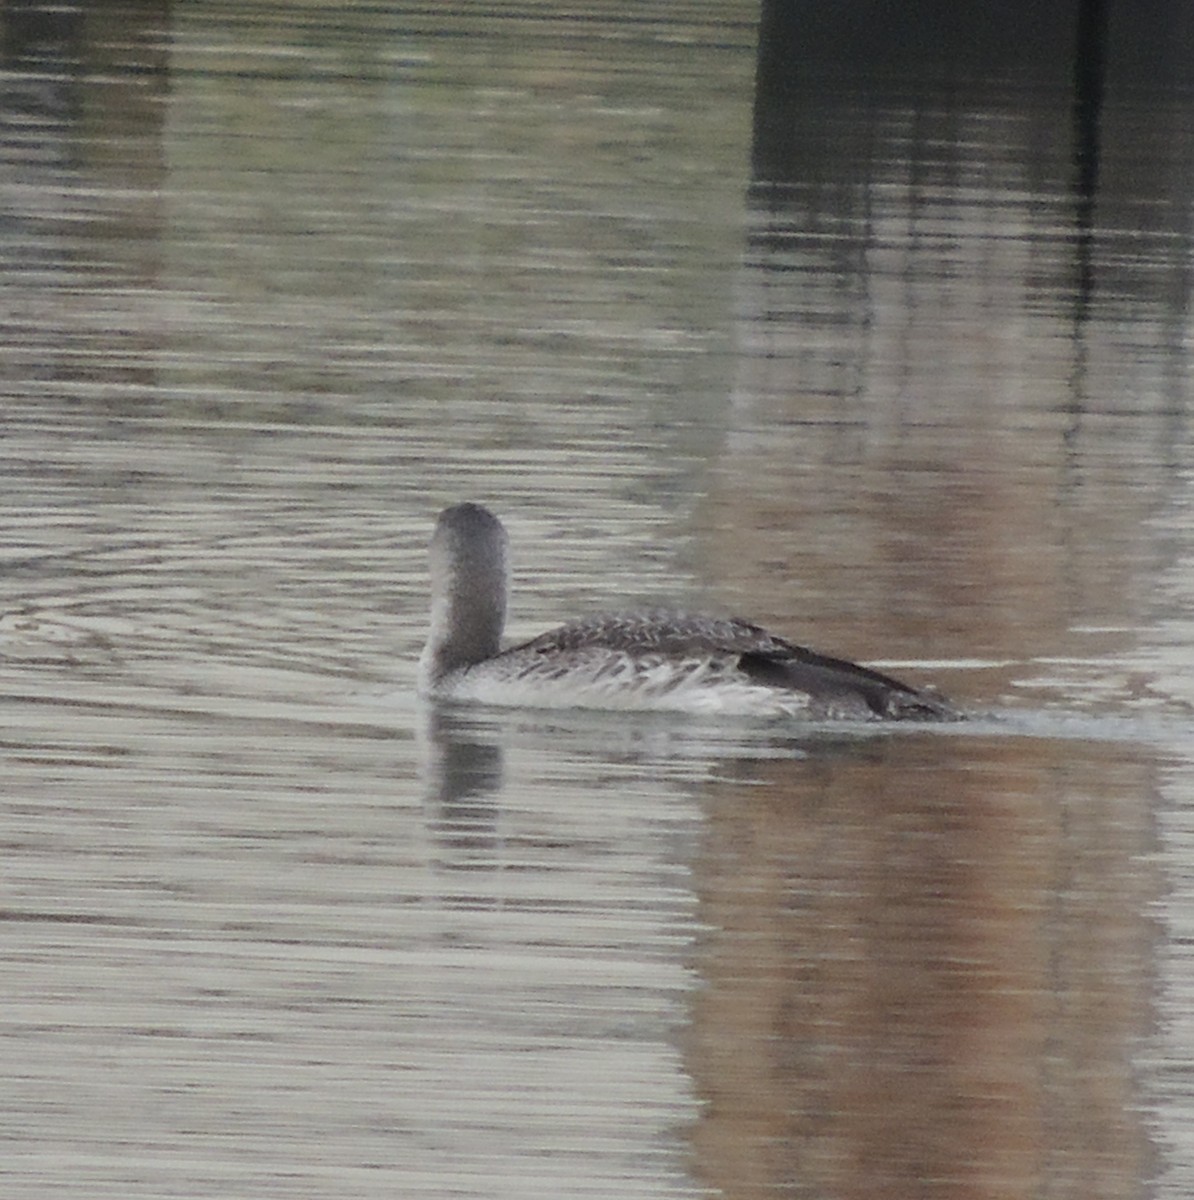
278,284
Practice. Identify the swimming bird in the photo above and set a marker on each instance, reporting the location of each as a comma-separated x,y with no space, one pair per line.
651,660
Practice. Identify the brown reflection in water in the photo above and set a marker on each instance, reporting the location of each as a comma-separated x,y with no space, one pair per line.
929,970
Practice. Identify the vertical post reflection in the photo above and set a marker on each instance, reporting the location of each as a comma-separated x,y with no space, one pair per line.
1090,55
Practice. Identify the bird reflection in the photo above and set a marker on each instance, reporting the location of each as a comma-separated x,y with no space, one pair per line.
462,774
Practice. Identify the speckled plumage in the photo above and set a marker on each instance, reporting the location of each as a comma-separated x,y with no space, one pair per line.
650,660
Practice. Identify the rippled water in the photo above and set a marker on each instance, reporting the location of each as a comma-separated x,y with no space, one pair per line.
277,284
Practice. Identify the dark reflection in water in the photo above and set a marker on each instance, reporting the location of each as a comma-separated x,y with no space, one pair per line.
1090,70
969,115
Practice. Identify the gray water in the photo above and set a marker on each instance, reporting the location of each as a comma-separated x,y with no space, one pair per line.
280,281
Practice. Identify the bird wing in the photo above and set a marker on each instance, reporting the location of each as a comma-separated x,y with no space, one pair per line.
764,658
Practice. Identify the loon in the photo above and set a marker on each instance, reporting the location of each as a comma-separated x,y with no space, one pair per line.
651,660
